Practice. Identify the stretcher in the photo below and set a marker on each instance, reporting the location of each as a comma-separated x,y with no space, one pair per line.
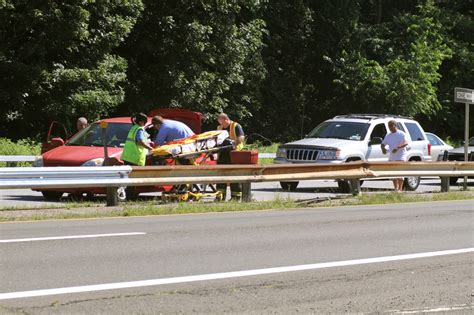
196,150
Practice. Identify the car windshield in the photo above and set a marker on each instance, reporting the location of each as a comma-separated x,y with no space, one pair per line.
92,135
340,130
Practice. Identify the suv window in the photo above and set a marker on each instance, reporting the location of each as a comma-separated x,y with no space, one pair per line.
400,127
379,131
340,130
433,139
415,132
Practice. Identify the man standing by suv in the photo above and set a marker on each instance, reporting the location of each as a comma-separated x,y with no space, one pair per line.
397,142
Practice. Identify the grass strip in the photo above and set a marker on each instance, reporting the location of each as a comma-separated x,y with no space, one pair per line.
153,208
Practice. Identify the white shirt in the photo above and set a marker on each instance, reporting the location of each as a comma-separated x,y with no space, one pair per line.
393,140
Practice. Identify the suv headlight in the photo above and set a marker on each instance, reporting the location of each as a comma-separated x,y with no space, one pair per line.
38,162
328,154
94,162
281,153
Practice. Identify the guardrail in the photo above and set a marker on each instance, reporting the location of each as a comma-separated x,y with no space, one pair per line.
118,176
13,160
267,155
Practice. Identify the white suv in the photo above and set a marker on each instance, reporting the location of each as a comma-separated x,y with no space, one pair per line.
355,137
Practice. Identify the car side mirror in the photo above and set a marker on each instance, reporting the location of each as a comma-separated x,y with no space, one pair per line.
375,141
57,142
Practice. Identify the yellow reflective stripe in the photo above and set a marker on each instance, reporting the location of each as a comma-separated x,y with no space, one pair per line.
233,134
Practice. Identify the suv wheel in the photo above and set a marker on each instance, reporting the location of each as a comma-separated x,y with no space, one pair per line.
289,186
52,195
411,183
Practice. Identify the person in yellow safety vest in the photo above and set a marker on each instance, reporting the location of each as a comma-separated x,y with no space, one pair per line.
236,134
135,149
234,129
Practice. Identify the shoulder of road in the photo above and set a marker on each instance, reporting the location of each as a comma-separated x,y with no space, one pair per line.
76,211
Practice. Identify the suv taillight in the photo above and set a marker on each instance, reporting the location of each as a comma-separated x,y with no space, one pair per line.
429,148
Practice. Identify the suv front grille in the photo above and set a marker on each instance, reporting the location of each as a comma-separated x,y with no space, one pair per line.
302,154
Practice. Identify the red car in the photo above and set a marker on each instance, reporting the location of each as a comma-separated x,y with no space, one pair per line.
85,148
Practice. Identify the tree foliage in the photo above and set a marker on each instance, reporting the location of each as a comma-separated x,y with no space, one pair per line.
398,71
278,67
57,60
202,55
366,58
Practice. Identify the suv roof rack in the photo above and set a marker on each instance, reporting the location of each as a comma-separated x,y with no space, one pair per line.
371,116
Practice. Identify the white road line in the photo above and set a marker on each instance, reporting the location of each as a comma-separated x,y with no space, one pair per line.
224,275
18,240
434,310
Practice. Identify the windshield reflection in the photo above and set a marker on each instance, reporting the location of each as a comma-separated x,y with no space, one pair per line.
92,135
340,130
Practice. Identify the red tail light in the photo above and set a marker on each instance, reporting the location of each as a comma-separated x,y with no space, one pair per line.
429,148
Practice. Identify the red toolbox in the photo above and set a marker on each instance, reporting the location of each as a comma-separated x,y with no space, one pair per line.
244,157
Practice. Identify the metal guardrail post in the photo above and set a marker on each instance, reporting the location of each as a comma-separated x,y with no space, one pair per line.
247,192
445,180
444,184
355,187
112,197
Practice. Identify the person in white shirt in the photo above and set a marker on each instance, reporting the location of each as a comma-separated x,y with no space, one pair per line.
397,143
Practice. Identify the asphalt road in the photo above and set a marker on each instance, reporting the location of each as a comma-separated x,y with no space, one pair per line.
25,198
165,247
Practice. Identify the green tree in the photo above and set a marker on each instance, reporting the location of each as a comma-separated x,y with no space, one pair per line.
396,71
458,71
372,56
57,61
286,56
200,55
299,85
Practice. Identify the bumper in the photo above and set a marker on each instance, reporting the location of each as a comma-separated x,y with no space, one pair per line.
285,161
460,157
